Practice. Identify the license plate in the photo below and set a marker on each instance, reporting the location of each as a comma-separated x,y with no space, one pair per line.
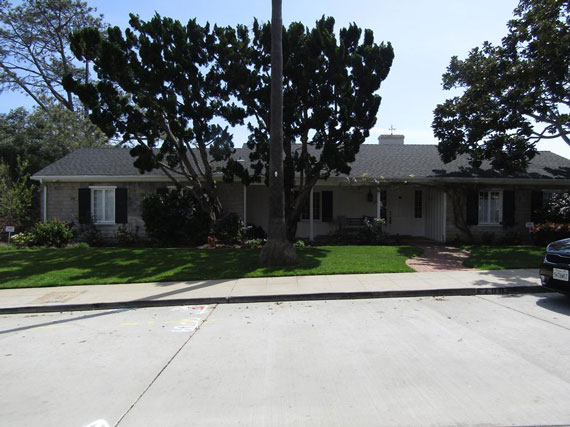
559,274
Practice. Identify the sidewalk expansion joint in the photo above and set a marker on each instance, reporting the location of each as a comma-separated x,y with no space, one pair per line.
194,332
242,299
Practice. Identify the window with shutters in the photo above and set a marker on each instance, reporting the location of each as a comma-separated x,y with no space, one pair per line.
103,204
306,214
490,207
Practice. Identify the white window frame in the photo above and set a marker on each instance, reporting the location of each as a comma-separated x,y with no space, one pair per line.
104,188
320,218
489,191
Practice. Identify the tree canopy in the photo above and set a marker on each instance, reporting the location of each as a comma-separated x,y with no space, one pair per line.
330,100
41,137
159,89
34,47
514,95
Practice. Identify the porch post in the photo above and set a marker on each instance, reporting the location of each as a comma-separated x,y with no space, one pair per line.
444,216
378,204
311,215
245,205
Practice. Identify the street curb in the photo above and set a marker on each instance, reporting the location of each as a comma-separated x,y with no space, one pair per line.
143,303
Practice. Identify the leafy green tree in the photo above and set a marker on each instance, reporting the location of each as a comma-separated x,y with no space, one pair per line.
41,137
329,102
16,196
514,95
159,89
34,47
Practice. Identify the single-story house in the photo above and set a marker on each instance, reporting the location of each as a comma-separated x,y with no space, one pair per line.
407,185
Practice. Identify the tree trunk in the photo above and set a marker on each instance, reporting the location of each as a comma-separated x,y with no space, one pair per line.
278,251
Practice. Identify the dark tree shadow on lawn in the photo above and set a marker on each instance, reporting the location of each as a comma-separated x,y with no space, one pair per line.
118,265
410,251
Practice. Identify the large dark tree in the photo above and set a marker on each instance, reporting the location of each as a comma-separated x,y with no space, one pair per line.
278,250
514,95
330,100
34,48
159,89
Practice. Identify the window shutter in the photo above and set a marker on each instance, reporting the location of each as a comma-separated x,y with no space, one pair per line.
535,205
84,197
472,208
327,203
508,208
121,206
162,191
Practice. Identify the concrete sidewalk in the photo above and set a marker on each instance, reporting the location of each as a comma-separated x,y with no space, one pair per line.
291,288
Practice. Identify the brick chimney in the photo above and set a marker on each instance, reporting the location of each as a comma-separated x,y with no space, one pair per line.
391,139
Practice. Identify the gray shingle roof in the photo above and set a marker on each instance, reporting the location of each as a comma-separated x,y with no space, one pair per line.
95,162
374,161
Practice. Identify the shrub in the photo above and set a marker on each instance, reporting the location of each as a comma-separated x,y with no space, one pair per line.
253,232
299,244
487,237
254,243
127,236
174,218
23,239
227,229
53,233
373,230
557,209
511,238
543,234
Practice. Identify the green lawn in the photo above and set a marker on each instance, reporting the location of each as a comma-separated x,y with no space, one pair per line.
504,257
20,268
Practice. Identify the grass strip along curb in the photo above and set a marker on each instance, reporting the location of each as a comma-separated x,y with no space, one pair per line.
276,298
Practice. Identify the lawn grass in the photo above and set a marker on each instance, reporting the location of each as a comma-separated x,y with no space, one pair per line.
20,268
486,257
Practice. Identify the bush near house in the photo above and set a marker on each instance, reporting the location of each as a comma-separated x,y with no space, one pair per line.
174,218
53,233
556,216
228,229
543,234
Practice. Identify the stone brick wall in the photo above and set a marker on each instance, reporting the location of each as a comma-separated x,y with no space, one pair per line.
522,216
63,203
231,196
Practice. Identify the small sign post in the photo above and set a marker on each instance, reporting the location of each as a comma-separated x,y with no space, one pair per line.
529,225
9,229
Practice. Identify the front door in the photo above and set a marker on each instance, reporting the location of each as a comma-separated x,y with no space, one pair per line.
401,212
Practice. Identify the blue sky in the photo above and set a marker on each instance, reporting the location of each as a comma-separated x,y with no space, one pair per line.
424,34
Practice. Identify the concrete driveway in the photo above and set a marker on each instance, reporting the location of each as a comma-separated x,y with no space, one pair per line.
486,360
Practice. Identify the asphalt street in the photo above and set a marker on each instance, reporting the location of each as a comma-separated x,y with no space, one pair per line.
485,360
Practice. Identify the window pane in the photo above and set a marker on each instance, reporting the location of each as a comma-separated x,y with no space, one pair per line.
484,206
109,205
97,205
495,208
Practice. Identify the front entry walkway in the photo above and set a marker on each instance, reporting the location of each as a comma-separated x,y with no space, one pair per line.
438,257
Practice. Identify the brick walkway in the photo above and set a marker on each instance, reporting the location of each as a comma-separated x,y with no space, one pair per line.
438,257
